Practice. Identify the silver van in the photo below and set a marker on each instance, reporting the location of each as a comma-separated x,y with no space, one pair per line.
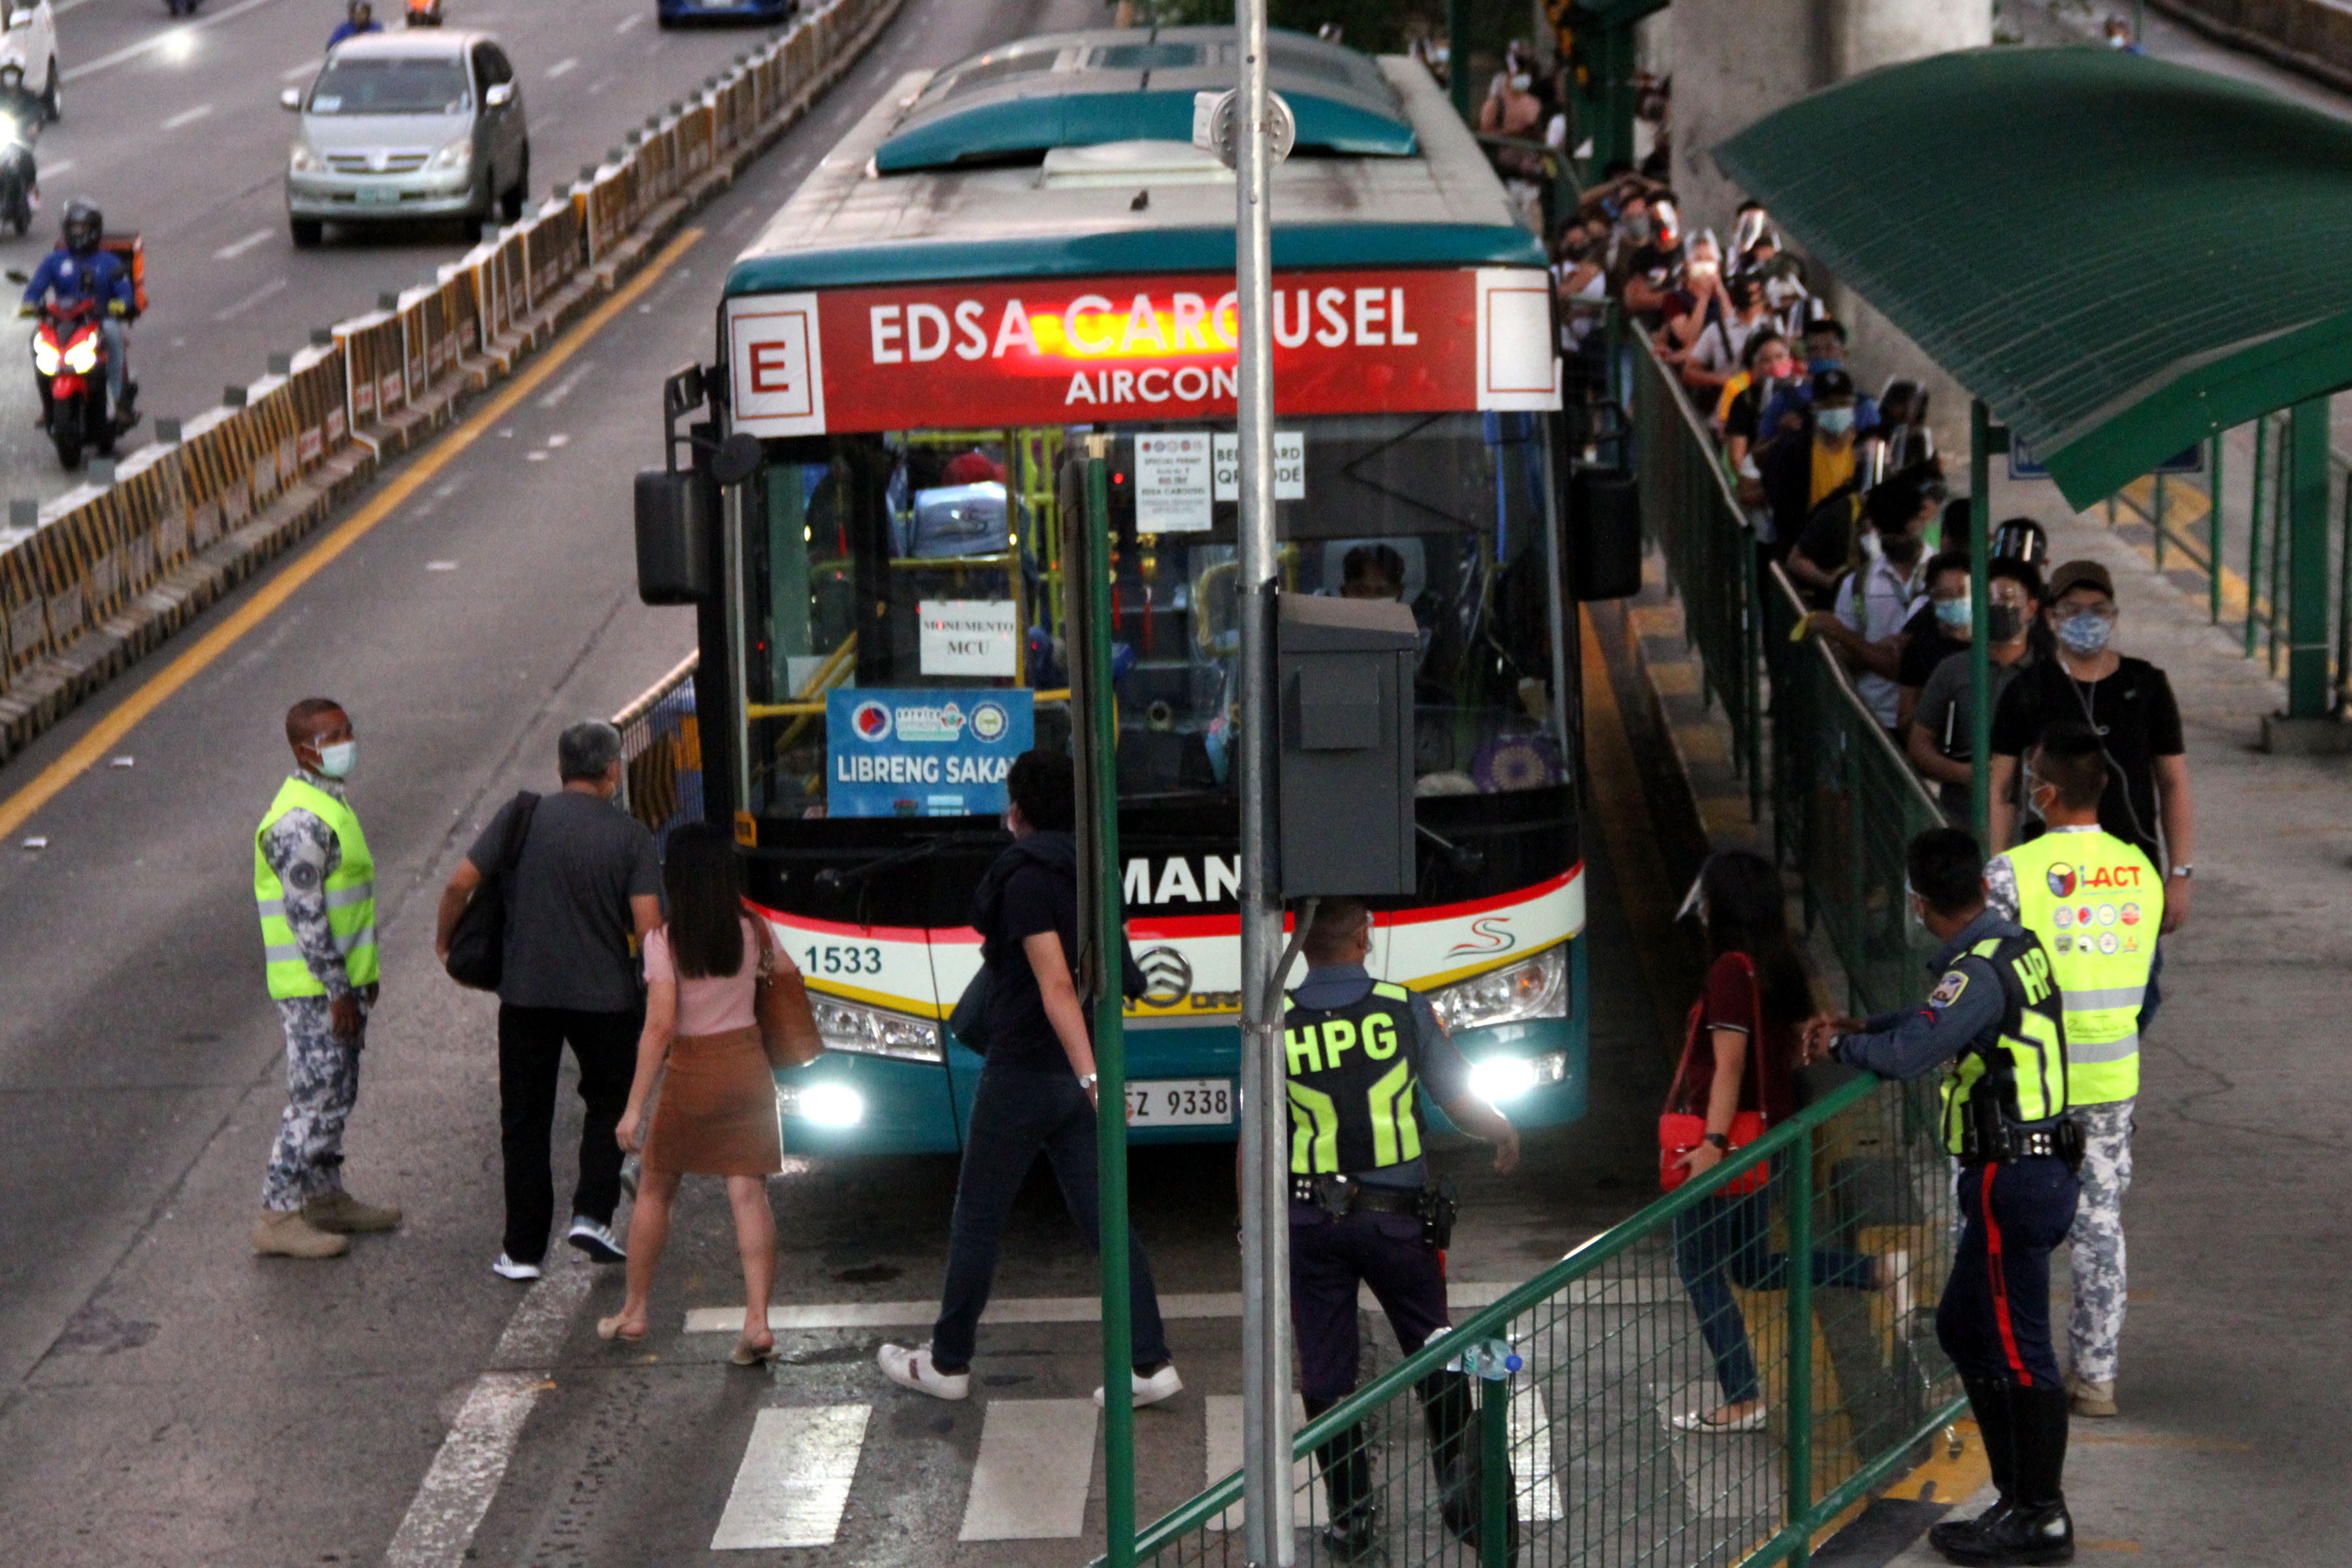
425,122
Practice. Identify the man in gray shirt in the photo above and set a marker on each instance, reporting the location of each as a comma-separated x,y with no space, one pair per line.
584,891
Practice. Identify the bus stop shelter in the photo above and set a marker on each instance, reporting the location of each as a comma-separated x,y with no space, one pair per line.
2118,257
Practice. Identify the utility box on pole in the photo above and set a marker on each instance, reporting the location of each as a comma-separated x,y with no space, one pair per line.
1346,679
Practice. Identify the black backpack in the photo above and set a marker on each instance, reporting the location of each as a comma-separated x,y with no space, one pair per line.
477,945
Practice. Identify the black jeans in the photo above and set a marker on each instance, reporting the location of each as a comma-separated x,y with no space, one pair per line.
1015,1113
530,1055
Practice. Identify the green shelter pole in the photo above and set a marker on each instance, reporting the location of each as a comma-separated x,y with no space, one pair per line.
1087,565
1457,54
1980,622
2306,542
2213,535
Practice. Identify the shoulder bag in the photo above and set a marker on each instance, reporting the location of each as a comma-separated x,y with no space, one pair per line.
477,945
1680,1130
788,1030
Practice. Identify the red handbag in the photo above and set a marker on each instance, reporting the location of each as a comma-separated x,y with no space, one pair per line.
1680,1131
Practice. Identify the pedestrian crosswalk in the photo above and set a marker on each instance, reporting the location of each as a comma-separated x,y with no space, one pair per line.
1034,1473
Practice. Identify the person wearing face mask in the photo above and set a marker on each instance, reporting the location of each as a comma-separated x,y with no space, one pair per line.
1941,732
314,880
2096,902
1994,1025
1939,629
2130,704
1876,601
1824,345
1802,468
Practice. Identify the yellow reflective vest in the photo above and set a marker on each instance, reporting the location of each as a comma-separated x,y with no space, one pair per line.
1352,1074
2025,1070
350,889
2097,903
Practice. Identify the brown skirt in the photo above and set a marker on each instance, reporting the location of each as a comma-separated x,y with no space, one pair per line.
717,1114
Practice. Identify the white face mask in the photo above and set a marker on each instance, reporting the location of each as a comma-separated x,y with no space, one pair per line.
336,761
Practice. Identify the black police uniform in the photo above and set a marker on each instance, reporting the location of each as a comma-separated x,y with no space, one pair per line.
1362,1211
1996,1023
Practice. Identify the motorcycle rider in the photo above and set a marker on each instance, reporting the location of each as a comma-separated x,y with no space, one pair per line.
359,19
423,13
77,270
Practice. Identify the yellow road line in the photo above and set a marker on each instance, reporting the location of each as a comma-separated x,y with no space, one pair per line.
157,689
1945,1479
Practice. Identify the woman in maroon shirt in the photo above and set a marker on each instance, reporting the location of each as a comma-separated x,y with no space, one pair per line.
1746,1053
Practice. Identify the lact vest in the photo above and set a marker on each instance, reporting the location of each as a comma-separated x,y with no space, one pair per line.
1353,1073
2025,1070
351,896
2097,904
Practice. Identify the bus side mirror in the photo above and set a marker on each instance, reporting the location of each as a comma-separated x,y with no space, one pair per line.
1604,533
498,95
677,537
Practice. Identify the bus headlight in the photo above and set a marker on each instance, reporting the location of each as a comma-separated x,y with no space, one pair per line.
1500,1078
874,1031
821,1104
1532,988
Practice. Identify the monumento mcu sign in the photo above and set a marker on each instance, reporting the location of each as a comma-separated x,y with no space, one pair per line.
1106,349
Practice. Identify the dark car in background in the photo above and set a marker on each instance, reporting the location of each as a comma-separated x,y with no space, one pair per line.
678,13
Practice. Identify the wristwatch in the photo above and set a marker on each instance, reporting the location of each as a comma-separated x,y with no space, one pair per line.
2183,871
1087,1080
1720,1141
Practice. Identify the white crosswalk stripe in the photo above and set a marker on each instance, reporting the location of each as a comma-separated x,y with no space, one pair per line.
1539,1487
1225,1451
1036,1463
793,1482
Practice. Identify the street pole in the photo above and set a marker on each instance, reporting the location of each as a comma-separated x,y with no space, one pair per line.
2306,525
1457,53
1265,1191
1979,620
1101,944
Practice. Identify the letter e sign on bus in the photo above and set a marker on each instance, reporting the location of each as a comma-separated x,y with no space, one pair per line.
778,356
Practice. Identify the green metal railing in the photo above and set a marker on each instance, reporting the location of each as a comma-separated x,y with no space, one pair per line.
1690,510
2253,584
1844,802
1540,1431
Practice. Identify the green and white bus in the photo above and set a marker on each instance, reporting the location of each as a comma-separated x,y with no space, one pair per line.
1024,249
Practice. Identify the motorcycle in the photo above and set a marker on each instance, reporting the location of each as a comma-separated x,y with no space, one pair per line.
69,362
19,177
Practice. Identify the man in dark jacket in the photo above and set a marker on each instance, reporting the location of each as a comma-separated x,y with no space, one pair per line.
1036,1092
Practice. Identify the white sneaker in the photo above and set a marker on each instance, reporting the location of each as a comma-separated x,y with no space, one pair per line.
913,1369
596,1240
1162,1384
506,1268
1704,1421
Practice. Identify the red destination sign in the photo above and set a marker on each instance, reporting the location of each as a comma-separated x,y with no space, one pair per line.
1150,348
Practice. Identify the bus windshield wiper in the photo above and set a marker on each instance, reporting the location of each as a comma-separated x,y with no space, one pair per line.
836,876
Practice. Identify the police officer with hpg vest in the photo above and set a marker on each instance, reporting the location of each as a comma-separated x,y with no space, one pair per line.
1995,1024
1362,1210
2097,903
315,881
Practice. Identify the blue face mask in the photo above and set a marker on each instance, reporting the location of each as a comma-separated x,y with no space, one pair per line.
2085,633
1821,363
1834,421
1953,613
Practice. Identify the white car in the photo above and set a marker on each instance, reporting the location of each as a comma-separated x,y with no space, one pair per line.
31,41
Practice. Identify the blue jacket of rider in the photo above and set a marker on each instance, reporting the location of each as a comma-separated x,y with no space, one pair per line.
346,30
100,276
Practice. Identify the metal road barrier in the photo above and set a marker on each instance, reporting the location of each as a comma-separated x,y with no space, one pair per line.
1567,1386
95,576
661,753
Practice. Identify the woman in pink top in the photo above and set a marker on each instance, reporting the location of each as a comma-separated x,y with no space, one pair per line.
717,1109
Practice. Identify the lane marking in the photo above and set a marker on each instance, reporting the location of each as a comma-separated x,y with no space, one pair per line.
1537,1485
170,38
295,73
105,737
1460,1295
60,168
570,384
187,117
238,247
630,21
792,1485
448,1507
231,313
1036,1463
1223,1457
563,68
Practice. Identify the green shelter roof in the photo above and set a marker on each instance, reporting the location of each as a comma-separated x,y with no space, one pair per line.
2119,255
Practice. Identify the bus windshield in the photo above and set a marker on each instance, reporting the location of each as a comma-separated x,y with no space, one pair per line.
931,560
